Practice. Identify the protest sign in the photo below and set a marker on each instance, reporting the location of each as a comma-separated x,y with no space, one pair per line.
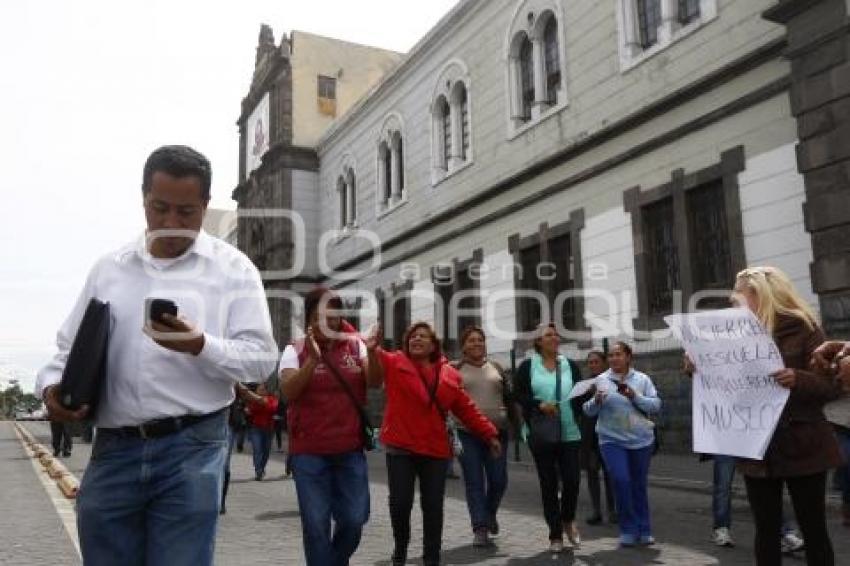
736,402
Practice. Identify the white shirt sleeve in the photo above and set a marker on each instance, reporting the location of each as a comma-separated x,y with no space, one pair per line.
246,351
289,359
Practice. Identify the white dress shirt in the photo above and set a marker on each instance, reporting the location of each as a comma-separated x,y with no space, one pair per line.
217,288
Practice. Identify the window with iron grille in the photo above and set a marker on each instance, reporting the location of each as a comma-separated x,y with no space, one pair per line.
401,316
529,308
552,61
526,67
662,264
560,253
688,11
443,287
649,20
446,127
464,124
466,283
711,261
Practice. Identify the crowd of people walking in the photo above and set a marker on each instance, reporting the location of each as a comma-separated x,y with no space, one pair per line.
159,470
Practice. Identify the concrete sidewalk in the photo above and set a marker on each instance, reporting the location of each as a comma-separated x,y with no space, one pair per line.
31,531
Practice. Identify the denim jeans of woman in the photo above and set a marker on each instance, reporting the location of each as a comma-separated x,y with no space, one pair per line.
333,498
485,478
261,447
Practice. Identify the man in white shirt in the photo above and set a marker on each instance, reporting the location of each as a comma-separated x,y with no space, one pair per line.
151,491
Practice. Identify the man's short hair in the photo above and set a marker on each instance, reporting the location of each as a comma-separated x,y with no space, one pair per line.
178,161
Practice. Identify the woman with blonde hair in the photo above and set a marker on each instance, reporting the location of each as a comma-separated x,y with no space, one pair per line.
803,447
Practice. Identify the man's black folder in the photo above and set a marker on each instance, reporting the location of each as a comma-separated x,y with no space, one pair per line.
85,370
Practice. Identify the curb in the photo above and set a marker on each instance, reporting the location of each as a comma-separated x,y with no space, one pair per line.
65,480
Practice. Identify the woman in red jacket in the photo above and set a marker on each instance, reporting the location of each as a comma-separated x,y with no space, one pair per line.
421,389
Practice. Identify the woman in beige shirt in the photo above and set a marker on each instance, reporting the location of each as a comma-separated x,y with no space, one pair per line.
485,476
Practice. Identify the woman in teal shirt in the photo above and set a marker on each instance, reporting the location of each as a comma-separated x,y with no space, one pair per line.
535,386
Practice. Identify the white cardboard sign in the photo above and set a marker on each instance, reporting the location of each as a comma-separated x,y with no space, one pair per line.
736,402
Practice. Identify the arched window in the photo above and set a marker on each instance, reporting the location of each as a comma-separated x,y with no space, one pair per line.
451,136
351,184
444,126
398,163
552,60
343,202
391,182
385,174
646,27
649,20
526,73
536,73
463,107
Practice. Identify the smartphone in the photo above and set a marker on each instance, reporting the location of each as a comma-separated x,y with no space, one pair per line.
155,308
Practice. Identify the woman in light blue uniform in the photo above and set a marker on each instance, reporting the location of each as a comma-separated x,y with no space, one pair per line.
623,402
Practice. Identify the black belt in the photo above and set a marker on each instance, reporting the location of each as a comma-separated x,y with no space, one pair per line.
159,427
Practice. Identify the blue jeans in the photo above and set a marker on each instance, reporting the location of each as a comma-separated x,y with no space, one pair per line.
156,501
330,488
261,447
721,495
485,478
629,472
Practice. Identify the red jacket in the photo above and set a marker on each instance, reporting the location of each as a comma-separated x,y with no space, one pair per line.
411,421
261,414
323,420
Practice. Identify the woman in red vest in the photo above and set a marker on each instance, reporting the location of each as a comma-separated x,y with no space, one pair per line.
324,381
421,389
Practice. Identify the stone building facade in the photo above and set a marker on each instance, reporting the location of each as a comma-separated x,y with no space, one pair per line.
642,151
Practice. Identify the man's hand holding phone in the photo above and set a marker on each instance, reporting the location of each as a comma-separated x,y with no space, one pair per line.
169,330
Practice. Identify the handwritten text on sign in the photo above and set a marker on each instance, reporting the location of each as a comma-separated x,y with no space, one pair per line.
736,402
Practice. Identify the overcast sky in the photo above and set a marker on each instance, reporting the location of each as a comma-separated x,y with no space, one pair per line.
88,88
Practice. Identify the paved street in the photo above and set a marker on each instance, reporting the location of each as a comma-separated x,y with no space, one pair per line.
262,526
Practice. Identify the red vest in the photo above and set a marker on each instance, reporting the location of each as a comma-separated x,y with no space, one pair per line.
323,420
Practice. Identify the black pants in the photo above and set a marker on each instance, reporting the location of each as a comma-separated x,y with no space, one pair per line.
554,462
61,438
592,466
808,495
402,471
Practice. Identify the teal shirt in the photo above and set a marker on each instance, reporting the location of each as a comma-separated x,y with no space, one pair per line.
543,389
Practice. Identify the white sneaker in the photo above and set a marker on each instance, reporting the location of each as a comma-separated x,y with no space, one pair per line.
556,546
722,537
792,542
